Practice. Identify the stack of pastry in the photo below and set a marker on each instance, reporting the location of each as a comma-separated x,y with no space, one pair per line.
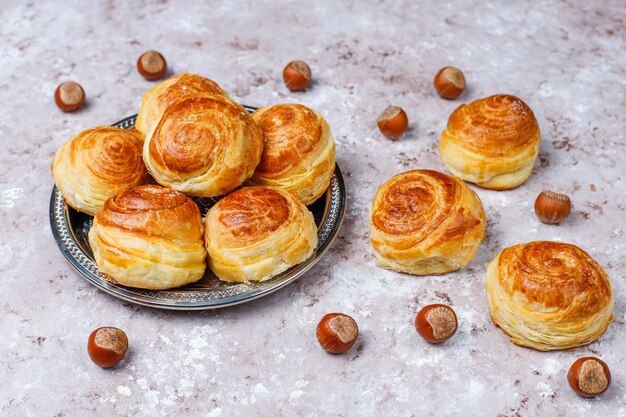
194,140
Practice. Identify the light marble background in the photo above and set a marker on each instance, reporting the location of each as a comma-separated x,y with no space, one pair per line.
566,59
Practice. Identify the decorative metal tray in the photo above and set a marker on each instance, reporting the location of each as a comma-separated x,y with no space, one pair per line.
70,229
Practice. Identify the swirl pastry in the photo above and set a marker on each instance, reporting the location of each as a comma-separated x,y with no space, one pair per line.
549,295
205,145
149,237
425,223
256,233
298,153
159,97
492,142
96,164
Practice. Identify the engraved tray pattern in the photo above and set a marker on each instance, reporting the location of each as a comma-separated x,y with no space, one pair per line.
70,229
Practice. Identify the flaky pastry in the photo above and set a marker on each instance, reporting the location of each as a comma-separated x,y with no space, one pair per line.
159,97
298,153
424,223
97,164
549,295
492,142
256,233
149,237
205,145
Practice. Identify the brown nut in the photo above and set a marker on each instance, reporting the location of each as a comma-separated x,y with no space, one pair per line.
436,323
551,207
449,82
589,377
69,96
107,346
337,332
151,65
297,75
393,122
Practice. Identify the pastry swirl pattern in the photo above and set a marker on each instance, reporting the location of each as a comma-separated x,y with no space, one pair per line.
299,151
149,237
97,164
205,145
424,222
492,142
549,295
256,233
165,93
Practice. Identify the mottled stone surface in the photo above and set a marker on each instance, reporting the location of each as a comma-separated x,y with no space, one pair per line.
566,59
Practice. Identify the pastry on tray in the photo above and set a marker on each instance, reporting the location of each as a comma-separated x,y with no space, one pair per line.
159,97
204,145
549,295
298,153
256,233
424,222
149,237
492,142
97,164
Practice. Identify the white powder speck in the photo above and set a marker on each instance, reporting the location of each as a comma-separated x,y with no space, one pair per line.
259,389
152,397
8,197
551,366
295,395
121,389
185,387
198,343
216,412
544,389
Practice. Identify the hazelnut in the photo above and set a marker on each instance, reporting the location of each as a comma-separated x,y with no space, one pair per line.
449,82
589,377
436,323
151,65
69,96
297,75
393,122
107,346
337,332
551,207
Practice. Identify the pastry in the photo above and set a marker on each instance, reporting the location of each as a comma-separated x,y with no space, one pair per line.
205,145
549,295
425,223
159,97
96,164
298,153
256,233
492,142
149,237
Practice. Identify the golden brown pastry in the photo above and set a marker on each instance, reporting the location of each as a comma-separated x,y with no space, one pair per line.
159,97
96,164
298,153
256,233
149,237
549,295
205,145
492,142
426,223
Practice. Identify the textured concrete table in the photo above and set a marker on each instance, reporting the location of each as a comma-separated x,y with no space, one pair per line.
565,59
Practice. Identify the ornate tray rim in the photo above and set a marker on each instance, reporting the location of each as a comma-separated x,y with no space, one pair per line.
81,262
